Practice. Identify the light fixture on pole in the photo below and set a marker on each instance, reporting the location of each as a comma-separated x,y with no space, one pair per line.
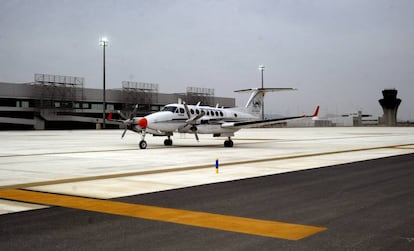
104,43
261,68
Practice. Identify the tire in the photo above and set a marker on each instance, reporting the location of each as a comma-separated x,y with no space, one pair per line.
168,142
142,144
228,143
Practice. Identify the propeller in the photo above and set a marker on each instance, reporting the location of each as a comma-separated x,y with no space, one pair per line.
123,116
192,121
128,122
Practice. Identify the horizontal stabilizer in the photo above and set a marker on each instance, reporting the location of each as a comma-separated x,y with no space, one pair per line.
250,90
254,104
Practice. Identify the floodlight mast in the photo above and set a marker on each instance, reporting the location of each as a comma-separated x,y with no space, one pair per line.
104,43
261,68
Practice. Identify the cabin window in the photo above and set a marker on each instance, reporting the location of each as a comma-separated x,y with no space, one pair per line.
217,113
169,109
181,110
192,111
221,114
198,112
235,115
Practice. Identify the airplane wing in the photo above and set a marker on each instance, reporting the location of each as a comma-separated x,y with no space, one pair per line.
267,121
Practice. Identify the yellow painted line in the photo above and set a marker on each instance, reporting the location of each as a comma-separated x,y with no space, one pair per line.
194,167
405,147
251,226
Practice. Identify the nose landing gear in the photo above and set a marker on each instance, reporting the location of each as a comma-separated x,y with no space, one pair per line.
143,143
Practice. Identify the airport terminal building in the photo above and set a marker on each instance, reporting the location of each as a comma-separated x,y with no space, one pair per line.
62,102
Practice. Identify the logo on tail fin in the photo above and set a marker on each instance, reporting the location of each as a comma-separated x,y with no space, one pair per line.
255,103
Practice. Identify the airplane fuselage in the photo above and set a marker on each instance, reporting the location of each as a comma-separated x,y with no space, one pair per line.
173,118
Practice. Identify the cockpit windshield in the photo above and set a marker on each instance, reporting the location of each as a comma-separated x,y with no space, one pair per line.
169,109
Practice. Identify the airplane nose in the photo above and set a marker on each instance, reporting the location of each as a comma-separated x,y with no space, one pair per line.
142,122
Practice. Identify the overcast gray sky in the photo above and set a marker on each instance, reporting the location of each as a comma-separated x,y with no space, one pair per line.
339,54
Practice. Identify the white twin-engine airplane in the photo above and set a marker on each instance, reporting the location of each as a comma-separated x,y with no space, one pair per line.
197,119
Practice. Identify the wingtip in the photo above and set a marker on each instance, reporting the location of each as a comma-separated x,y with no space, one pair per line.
315,114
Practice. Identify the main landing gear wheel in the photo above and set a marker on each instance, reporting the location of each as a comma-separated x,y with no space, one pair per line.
143,144
228,143
168,142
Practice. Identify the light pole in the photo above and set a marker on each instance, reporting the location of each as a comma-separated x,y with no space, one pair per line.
104,43
261,68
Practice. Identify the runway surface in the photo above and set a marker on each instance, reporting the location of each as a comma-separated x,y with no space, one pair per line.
366,205
286,189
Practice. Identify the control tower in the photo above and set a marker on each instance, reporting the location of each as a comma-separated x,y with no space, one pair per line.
389,104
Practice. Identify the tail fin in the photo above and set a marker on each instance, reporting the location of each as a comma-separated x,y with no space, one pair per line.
254,104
